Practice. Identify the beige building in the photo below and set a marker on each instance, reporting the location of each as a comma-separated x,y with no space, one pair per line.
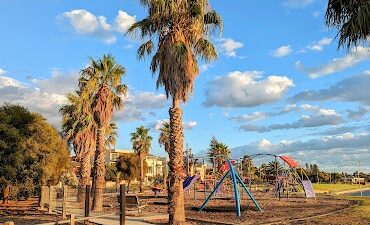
155,165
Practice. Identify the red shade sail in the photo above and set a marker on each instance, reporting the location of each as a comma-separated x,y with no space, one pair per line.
291,162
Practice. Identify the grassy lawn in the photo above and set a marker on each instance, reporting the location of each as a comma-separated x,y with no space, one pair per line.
336,187
363,210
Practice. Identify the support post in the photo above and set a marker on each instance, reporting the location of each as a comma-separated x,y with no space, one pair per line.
42,198
50,200
236,191
87,201
122,216
249,193
64,204
72,220
214,191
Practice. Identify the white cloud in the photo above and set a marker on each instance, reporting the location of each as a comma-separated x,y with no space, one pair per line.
138,106
282,51
187,125
229,46
46,96
318,117
2,72
123,21
319,45
297,4
60,83
352,89
42,99
339,150
249,117
84,22
245,89
356,56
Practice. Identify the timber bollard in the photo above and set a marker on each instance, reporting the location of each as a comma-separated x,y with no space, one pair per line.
72,219
64,204
87,203
122,203
50,200
9,223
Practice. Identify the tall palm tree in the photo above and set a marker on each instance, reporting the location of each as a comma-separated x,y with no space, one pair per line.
180,29
141,143
164,136
100,84
352,18
78,128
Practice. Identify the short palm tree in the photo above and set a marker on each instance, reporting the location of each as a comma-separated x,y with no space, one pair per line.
78,128
180,29
352,18
218,152
141,143
101,86
164,136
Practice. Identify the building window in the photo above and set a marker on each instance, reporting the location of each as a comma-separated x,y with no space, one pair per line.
150,169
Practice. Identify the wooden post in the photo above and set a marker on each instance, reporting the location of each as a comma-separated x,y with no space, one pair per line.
50,199
72,219
87,200
9,223
122,217
42,198
64,204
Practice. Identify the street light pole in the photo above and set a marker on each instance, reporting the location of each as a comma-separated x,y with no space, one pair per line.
358,176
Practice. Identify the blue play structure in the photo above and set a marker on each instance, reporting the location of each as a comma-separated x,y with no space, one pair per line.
235,179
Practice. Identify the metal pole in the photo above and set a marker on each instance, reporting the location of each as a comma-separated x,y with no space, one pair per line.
122,217
358,177
205,178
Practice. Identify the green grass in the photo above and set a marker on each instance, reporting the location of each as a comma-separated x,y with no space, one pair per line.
333,188
363,210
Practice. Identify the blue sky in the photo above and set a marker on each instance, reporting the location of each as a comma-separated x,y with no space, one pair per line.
280,85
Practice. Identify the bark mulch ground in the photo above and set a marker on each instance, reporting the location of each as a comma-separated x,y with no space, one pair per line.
222,211
25,213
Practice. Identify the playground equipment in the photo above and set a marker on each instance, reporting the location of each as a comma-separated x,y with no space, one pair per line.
189,181
288,180
236,179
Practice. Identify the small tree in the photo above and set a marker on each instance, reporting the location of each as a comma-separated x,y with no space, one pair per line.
129,166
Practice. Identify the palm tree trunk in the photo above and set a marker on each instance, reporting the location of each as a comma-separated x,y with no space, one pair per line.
176,174
85,171
141,173
99,171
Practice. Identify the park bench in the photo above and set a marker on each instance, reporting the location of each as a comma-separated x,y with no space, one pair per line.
133,201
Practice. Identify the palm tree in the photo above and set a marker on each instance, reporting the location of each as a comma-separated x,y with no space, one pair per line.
141,143
352,18
79,130
164,136
181,28
100,84
218,151
274,168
